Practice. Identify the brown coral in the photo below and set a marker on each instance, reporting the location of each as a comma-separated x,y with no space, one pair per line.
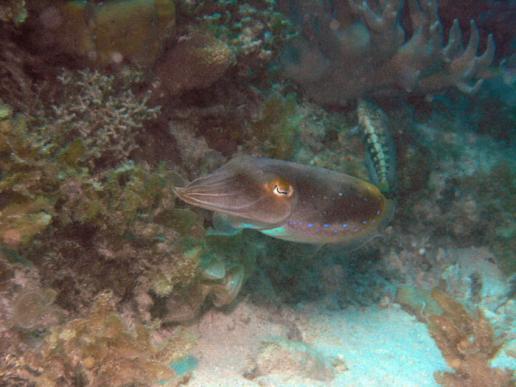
195,62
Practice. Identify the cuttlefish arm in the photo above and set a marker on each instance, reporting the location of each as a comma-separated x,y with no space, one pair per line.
291,201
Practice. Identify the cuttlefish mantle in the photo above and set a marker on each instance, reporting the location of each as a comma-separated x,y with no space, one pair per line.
291,201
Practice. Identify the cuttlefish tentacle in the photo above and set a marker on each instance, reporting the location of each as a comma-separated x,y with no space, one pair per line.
291,201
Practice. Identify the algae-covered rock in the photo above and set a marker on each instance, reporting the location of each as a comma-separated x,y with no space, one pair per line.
20,222
295,358
102,349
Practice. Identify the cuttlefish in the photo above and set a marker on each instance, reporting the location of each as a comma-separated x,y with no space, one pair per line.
291,201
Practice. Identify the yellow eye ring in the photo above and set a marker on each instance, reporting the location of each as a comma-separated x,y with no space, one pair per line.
282,189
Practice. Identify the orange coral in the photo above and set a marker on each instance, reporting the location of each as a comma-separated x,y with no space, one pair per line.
467,343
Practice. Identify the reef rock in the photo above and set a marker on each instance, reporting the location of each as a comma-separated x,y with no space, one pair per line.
295,358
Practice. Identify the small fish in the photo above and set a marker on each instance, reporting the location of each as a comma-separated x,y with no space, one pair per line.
291,201
381,152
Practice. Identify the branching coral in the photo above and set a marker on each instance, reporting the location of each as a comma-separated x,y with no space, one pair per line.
87,229
466,341
360,48
101,112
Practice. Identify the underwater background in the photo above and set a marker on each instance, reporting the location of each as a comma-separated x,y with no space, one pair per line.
108,278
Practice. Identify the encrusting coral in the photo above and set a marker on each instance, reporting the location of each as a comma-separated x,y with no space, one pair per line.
359,48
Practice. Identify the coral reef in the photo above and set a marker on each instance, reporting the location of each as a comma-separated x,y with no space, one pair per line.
26,185
255,31
105,277
110,33
100,349
99,114
357,49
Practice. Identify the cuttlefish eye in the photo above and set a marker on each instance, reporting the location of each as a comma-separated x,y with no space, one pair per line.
281,188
